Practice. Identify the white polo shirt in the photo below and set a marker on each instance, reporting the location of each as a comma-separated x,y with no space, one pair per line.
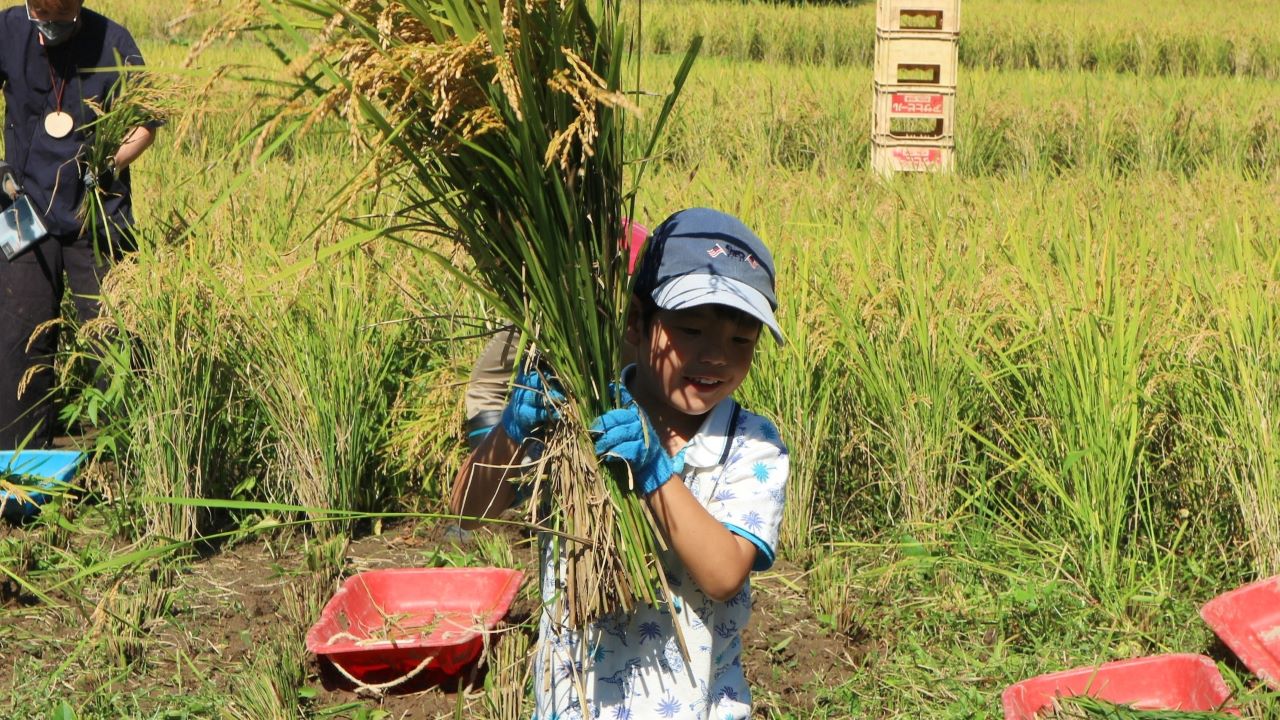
630,666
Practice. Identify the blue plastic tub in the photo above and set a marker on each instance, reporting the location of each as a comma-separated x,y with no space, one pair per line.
35,468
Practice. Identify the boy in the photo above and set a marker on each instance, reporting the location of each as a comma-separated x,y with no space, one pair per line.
712,473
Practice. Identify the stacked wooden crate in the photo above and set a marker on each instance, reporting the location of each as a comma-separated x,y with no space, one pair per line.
915,85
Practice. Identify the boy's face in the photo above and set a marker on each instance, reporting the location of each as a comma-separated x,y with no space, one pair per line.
689,360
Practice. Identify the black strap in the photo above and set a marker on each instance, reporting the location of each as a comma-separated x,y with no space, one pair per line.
730,431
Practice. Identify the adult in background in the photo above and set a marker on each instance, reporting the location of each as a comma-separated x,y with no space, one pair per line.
55,57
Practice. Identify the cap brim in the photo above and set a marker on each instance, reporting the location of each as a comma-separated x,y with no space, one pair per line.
688,291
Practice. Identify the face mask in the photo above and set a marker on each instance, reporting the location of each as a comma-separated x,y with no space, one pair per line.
55,32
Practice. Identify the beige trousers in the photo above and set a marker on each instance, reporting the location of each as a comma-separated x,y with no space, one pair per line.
490,380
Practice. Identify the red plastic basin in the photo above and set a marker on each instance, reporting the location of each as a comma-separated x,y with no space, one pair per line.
1160,682
1248,621
391,621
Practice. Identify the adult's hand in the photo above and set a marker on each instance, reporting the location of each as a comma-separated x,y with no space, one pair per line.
9,181
101,179
531,406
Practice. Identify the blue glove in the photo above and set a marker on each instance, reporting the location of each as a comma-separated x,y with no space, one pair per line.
530,406
620,394
626,434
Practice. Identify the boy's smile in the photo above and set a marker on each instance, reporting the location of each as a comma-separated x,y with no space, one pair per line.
687,362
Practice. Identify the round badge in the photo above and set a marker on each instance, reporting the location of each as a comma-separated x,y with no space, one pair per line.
58,124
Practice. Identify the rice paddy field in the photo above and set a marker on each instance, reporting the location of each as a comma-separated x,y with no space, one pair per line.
1033,406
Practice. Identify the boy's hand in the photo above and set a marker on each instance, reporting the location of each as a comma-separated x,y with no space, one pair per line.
530,407
626,434
620,394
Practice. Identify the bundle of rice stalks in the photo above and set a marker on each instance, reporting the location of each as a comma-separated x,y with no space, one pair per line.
501,124
1084,707
132,103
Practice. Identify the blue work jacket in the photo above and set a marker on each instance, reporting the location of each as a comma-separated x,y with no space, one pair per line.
50,168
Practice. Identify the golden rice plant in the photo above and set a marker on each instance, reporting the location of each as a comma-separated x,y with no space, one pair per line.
501,126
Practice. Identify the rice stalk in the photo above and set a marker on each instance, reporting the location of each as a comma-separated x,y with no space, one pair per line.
506,685
610,567
1236,409
801,385
1073,400
326,366
903,337
831,590
503,125
1195,38
169,413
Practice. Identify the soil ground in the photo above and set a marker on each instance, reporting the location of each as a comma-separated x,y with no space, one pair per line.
224,607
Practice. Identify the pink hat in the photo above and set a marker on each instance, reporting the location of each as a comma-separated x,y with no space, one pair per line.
633,237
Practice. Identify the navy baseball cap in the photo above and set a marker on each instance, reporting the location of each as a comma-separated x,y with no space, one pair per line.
701,256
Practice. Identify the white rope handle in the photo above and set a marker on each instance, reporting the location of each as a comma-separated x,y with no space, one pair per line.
377,689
